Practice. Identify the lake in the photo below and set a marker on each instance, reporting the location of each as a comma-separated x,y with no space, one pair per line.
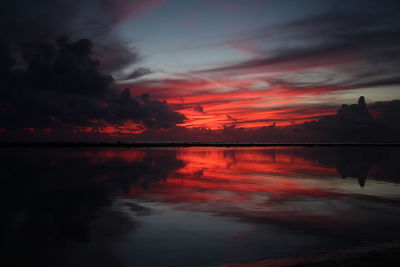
199,206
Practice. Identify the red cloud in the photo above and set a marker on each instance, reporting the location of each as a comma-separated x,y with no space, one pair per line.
254,102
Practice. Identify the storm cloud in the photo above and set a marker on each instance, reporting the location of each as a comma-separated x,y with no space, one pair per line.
24,21
60,85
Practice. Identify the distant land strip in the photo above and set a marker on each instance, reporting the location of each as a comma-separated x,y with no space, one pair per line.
189,144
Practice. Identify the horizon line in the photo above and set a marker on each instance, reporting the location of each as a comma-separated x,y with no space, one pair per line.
190,144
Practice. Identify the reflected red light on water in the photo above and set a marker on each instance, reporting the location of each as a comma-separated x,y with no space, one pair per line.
127,156
238,178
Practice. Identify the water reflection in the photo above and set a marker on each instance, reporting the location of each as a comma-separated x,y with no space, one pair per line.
50,197
196,206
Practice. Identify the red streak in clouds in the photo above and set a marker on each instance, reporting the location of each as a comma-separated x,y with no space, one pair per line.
253,102
113,130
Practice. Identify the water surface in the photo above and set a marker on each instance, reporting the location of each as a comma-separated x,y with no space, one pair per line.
194,206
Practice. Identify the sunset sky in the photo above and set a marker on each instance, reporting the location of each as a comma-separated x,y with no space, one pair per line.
256,62
248,63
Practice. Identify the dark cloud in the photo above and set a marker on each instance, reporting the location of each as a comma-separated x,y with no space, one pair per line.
388,112
115,55
61,86
229,117
354,116
24,21
138,73
122,9
199,108
354,35
379,122
49,18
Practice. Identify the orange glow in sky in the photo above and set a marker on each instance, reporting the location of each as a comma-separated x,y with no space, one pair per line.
244,102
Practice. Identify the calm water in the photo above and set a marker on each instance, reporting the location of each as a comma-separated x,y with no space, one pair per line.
193,206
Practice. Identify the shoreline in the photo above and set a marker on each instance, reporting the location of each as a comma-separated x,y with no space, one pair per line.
378,254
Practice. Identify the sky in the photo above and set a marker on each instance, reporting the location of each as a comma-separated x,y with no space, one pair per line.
220,61
160,64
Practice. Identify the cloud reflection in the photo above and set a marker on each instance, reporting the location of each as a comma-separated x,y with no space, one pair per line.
54,200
